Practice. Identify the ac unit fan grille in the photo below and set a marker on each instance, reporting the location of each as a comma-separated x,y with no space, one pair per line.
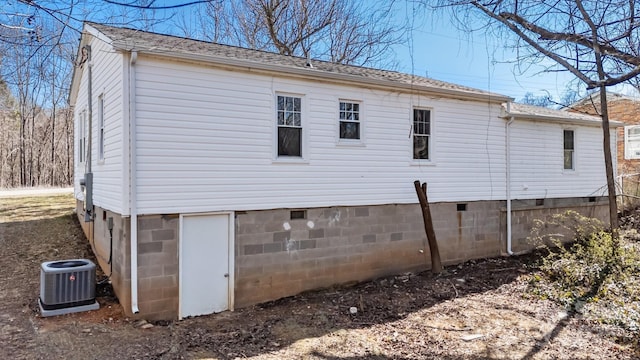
67,283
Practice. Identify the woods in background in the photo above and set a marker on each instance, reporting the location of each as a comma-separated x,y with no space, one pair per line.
39,39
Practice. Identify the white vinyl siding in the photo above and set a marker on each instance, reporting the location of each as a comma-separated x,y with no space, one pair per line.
206,137
205,141
107,83
537,161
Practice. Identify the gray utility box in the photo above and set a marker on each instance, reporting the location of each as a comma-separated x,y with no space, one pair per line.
67,286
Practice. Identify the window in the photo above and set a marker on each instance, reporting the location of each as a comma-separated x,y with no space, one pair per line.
421,134
569,150
632,142
289,126
101,127
82,136
349,120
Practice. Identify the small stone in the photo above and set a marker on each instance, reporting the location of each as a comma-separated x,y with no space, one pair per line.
146,326
462,281
353,310
86,330
562,315
472,337
141,323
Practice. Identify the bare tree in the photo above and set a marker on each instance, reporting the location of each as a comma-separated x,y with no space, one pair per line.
340,31
596,41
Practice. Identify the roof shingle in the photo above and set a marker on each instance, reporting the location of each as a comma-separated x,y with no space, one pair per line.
159,44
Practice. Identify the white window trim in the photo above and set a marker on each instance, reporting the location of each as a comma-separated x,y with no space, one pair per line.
575,151
82,137
361,113
431,160
304,123
628,154
101,119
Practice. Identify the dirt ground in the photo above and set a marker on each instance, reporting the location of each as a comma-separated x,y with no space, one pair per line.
478,310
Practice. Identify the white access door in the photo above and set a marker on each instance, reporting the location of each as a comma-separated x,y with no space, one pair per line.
205,274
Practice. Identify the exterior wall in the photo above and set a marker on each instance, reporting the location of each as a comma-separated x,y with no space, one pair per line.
622,109
525,212
107,82
116,247
278,257
537,168
206,142
157,260
158,266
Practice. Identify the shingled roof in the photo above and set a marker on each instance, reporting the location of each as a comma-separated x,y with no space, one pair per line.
531,112
126,39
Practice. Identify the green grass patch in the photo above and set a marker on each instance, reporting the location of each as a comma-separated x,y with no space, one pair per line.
15,209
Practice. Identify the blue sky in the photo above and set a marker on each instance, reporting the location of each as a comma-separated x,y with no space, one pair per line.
436,48
441,51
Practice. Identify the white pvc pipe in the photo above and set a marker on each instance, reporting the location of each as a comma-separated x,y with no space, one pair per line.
132,183
508,169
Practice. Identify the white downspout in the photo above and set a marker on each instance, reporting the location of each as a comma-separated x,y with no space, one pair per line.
132,183
508,159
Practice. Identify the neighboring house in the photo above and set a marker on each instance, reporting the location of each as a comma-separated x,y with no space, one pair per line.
627,110
218,177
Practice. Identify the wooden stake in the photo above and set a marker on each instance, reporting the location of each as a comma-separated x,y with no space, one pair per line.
436,264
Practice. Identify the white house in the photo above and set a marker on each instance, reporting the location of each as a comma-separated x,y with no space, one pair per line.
218,177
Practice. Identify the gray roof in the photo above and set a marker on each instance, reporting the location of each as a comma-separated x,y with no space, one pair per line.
173,46
594,98
531,112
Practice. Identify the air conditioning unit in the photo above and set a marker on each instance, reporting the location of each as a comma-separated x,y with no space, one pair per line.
67,286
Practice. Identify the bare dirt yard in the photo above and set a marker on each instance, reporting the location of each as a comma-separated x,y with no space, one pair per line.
477,310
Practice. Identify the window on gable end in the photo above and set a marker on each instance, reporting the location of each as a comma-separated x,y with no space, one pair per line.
349,120
421,134
289,116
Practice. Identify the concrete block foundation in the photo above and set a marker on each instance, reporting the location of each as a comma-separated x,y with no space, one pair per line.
283,252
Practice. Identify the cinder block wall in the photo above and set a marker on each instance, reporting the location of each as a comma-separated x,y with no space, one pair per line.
277,256
525,212
157,260
158,266
105,246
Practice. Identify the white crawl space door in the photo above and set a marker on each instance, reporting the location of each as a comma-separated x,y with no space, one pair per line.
206,275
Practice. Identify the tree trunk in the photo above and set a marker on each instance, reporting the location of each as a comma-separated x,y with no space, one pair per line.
608,163
436,264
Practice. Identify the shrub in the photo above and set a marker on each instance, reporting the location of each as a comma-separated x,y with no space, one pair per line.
595,274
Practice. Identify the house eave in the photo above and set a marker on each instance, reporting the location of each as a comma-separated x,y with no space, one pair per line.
314,74
561,120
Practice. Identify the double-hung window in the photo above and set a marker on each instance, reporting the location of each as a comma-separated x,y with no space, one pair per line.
349,120
632,142
289,113
569,150
421,134
101,127
82,137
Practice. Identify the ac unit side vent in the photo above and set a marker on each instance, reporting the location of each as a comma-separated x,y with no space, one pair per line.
67,284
